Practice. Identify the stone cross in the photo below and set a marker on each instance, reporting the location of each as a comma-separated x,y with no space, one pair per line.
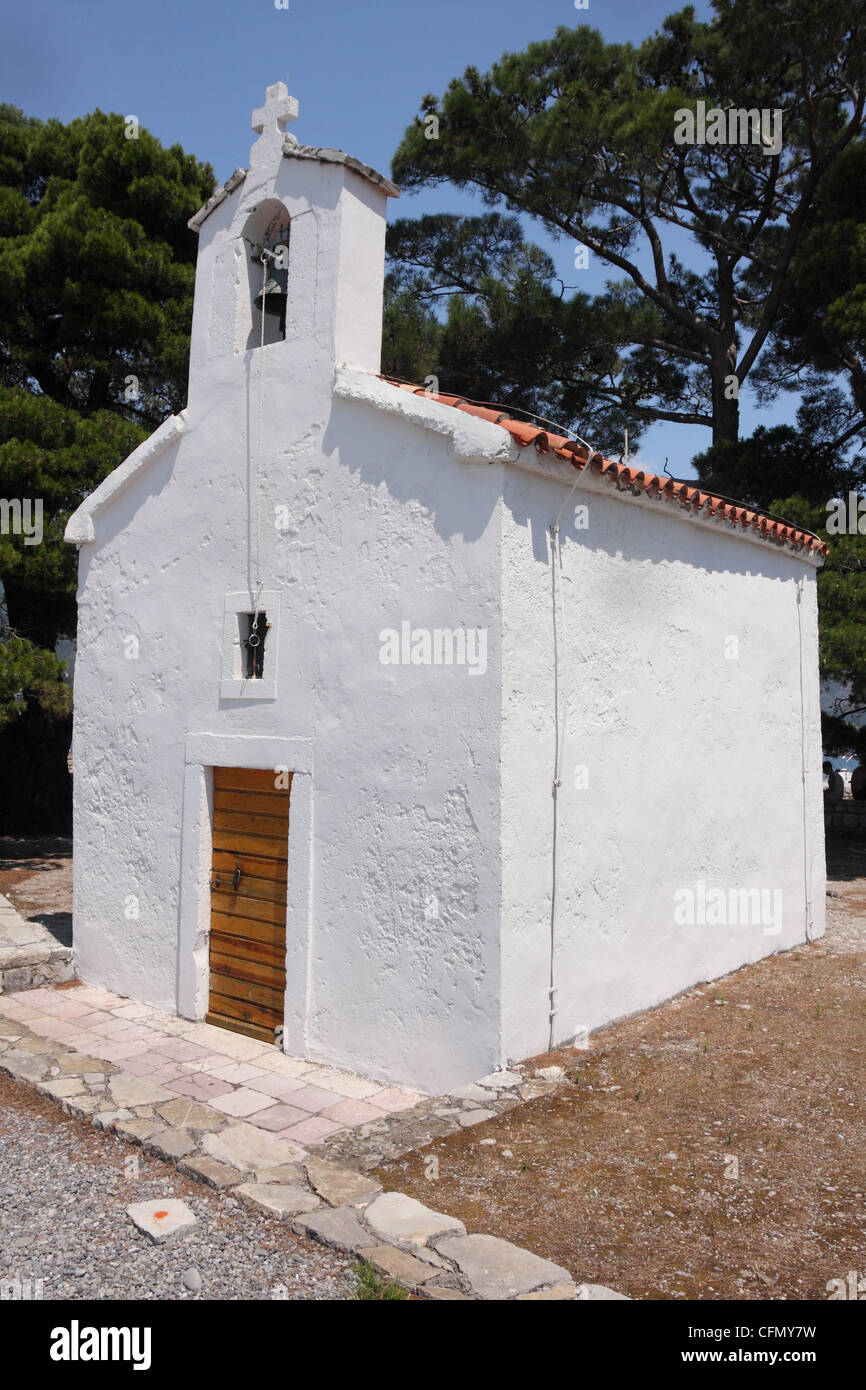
278,110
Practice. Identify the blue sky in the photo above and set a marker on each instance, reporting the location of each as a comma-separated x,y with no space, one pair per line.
192,70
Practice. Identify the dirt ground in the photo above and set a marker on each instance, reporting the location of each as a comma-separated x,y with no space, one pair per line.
36,877
711,1148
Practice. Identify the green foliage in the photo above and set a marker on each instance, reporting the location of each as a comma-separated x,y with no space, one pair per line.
371,1286
821,326
96,263
778,461
29,675
96,283
579,134
841,598
485,315
53,453
839,737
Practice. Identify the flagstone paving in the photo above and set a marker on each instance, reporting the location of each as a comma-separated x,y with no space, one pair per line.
292,1099
240,1116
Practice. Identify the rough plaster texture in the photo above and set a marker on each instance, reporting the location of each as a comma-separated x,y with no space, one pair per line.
679,764
420,841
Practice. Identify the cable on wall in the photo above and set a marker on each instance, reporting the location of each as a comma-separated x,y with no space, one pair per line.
804,772
559,735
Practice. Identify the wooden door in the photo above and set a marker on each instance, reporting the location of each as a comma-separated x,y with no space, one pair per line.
248,901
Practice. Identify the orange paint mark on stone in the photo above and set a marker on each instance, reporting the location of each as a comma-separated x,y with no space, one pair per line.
160,1214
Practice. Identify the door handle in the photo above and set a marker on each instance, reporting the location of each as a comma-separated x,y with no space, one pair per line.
218,883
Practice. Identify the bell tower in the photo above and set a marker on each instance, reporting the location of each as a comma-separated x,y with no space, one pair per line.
291,262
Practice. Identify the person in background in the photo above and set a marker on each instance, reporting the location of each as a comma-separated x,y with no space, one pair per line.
835,789
858,782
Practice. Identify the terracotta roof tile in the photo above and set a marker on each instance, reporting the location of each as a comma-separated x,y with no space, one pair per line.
625,478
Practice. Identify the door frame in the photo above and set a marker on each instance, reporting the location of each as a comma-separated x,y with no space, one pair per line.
203,752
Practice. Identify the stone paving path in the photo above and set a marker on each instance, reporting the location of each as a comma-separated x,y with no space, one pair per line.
30,955
296,1101
225,1109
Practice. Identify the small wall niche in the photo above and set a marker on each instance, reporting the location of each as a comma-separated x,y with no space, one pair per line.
250,646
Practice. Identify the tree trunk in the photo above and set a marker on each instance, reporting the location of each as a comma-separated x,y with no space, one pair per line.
726,407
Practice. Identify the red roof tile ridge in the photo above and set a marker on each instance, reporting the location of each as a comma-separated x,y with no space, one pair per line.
637,480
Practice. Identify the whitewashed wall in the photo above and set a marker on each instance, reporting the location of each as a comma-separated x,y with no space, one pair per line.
694,760
418,914
399,945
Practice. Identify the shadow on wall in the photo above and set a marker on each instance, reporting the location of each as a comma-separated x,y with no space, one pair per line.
413,474
35,785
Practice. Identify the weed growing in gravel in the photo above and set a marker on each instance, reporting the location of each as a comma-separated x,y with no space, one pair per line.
369,1284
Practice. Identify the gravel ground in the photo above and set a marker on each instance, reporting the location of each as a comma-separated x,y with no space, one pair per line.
64,1189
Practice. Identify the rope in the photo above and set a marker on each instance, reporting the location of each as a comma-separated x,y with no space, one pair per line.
257,576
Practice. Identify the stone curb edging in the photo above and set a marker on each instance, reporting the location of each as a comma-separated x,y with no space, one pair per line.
427,1251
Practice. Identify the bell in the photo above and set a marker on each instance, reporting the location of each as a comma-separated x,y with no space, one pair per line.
272,299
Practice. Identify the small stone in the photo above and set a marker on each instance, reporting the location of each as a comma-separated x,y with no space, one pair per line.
192,1280
599,1292
567,1290
136,1090
339,1186
106,1118
423,1252
404,1222
398,1264
211,1171
65,1086
191,1114
531,1090
496,1269
248,1148
338,1227
16,980
137,1130
487,1141
277,1200
442,1292
471,1092
549,1073
76,1064
26,1065
45,1046
500,1080
82,1106
475,1117
163,1218
167,1142
284,1175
